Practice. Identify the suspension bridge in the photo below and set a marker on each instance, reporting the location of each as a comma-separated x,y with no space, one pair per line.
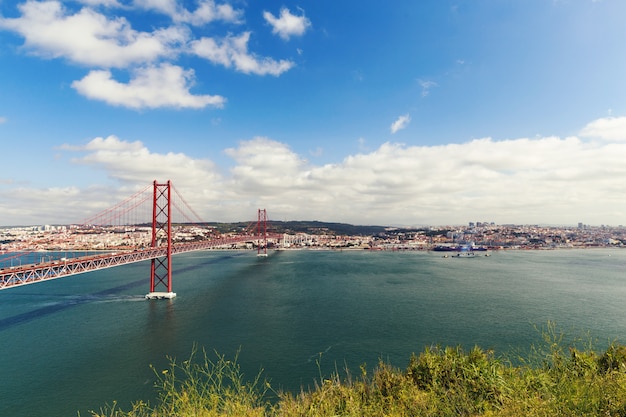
152,212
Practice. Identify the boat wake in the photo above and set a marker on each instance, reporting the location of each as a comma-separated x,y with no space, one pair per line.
69,301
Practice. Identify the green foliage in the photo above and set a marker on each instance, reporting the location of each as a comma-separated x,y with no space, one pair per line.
614,359
468,383
552,379
200,388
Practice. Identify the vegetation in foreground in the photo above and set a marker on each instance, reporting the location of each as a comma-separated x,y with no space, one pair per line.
551,380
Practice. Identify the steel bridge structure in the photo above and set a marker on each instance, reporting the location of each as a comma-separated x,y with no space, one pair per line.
159,252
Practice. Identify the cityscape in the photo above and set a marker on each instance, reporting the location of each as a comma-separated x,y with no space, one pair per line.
484,235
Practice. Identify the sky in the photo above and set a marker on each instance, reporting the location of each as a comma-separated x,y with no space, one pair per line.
403,113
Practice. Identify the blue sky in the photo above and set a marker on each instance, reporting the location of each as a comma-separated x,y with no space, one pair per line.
400,113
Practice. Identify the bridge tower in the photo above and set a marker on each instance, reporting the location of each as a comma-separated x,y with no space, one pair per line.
161,268
261,229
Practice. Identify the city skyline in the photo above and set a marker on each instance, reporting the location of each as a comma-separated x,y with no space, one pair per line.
434,112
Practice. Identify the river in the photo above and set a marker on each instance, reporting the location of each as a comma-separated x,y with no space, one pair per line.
77,343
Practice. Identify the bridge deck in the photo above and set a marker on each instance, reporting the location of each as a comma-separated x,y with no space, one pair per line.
28,274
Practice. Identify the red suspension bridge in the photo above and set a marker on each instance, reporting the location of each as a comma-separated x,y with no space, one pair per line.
151,211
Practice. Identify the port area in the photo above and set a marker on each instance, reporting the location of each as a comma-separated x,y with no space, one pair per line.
160,295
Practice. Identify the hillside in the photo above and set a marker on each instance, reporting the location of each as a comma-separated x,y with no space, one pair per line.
303,226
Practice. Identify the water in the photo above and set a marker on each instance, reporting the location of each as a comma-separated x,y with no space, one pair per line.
80,342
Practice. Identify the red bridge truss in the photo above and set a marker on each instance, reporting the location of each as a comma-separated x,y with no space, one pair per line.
159,252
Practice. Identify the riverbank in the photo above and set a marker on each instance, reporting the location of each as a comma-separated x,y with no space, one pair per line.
553,379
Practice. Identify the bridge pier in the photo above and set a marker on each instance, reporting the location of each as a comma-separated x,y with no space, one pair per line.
160,295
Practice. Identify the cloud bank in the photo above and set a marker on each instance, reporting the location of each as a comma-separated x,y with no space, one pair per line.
546,180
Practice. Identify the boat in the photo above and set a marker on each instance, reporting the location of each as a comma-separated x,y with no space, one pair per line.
459,248
461,251
442,248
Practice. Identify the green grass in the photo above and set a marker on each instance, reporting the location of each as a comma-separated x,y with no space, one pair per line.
552,379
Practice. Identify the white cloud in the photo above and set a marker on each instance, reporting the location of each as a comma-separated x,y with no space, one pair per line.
207,11
133,163
426,86
110,143
609,129
133,166
549,180
401,123
90,38
262,162
163,86
232,51
287,25
545,180
3,120
35,205
103,3
98,35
